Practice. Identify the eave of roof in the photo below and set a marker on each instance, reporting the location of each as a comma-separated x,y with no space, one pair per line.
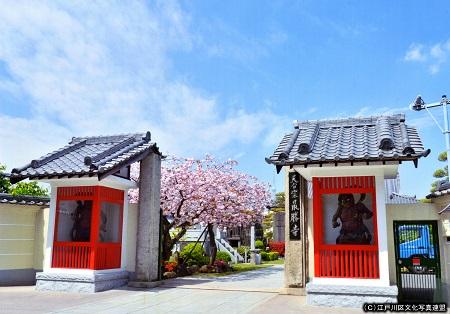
24,200
438,193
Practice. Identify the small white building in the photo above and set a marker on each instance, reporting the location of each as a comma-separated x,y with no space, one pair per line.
86,237
346,244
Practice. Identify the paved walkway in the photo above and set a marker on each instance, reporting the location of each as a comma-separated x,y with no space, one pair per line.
268,279
247,292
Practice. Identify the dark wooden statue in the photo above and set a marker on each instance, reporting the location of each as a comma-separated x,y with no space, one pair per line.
81,230
352,215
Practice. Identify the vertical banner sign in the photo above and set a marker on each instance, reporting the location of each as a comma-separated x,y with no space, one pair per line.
294,206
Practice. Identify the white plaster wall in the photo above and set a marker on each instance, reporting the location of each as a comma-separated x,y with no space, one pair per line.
40,237
310,240
131,237
48,244
17,236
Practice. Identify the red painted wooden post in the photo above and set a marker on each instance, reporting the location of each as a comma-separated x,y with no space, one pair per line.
351,253
317,221
338,263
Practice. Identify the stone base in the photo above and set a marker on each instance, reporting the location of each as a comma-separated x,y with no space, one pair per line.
293,291
17,277
349,296
144,284
88,282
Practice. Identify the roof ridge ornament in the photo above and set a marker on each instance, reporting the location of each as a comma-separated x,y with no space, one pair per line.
407,149
309,135
285,153
385,140
147,137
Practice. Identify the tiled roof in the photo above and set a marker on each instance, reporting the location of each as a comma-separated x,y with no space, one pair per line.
395,198
392,192
24,200
443,188
378,138
89,156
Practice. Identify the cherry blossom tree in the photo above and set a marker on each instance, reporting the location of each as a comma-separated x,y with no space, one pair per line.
205,191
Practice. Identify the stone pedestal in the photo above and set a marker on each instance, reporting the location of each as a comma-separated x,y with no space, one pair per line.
349,296
278,227
255,257
85,282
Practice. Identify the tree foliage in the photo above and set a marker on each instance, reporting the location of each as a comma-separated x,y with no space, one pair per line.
268,218
21,188
279,200
5,185
28,188
441,173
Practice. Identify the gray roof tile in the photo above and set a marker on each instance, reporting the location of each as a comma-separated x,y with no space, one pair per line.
24,200
97,155
378,138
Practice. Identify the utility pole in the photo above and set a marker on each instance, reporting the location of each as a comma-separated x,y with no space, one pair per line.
419,105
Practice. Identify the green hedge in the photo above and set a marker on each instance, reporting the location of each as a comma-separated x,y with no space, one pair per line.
241,250
197,257
259,245
223,256
273,256
265,256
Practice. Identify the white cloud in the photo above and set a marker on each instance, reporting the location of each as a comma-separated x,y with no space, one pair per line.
415,53
435,56
378,111
104,68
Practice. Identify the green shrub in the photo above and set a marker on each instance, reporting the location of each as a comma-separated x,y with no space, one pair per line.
273,256
223,256
264,256
197,256
241,250
259,245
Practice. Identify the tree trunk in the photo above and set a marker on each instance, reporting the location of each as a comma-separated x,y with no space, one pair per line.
212,244
168,242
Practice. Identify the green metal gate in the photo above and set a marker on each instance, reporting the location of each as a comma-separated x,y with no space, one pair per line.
417,261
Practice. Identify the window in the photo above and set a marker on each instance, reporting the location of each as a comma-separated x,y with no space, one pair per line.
110,220
74,221
348,218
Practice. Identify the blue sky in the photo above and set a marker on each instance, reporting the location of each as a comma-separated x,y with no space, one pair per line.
223,77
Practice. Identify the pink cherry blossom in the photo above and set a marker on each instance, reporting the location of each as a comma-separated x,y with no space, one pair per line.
207,191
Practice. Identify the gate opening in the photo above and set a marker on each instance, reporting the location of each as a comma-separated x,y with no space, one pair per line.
417,261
